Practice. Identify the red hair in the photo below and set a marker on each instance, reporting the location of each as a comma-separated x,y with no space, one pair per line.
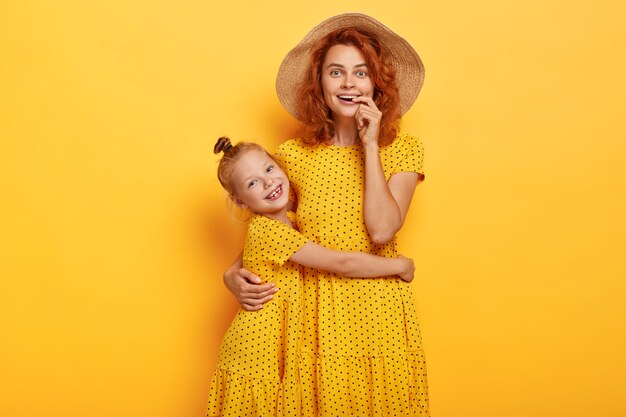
315,114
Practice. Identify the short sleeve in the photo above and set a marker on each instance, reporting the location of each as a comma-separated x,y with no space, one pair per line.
411,152
271,241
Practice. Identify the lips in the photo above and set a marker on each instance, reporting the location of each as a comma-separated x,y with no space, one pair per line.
275,194
347,98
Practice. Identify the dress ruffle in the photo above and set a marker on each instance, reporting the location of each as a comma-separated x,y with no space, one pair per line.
364,385
367,386
235,395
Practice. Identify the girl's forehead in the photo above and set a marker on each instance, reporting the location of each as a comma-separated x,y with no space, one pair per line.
250,161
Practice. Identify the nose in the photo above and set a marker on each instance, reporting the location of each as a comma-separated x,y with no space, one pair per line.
268,182
347,82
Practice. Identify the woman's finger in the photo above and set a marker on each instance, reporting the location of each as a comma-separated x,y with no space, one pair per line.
258,295
249,276
249,307
368,110
255,289
368,101
255,301
371,115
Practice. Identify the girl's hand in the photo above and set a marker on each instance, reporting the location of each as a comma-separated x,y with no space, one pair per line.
367,120
247,289
409,268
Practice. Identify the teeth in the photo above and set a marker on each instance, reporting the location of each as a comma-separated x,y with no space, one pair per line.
274,193
347,97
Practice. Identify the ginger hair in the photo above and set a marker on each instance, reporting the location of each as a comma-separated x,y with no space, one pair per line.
315,114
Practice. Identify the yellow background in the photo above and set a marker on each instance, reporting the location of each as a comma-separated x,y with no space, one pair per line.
114,231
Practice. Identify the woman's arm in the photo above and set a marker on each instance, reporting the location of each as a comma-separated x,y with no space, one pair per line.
246,286
353,264
386,202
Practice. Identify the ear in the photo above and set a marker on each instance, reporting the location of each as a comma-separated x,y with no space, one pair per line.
238,202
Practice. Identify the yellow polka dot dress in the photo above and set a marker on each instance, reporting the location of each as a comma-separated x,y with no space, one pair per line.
257,367
361,353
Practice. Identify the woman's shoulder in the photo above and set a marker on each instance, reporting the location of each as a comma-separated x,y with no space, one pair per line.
291,145
407,140
403,144
292,152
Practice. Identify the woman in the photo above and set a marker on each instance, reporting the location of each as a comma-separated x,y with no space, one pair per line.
349,81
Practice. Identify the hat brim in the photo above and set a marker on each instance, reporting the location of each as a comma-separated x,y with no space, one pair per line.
407,63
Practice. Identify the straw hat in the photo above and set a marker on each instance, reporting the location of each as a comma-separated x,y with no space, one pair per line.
408,65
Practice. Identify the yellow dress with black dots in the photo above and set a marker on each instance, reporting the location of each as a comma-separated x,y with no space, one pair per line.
257,367
361,352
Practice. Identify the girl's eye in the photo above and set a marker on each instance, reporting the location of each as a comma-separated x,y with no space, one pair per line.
251,183
270,168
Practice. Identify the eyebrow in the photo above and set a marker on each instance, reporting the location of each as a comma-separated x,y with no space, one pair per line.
268,162
341,66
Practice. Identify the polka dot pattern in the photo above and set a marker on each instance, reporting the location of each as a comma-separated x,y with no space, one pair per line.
257,366
328,345
361,352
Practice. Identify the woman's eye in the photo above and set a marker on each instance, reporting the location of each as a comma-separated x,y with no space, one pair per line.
335,73
361,74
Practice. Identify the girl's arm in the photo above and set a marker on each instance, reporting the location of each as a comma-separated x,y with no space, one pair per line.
353,264
246,286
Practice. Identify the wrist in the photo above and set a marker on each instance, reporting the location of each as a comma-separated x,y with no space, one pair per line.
371,147
400,266
228,275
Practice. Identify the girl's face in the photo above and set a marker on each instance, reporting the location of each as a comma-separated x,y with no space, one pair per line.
344,77
259,184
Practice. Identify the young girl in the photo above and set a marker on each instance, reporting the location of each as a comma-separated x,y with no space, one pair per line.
258,371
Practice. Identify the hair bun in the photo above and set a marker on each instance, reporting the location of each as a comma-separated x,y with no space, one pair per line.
222,145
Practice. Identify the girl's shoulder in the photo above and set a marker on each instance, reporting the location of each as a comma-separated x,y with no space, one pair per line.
271,240
263,227
259,224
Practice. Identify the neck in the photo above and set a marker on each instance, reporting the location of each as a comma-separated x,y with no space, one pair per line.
346,132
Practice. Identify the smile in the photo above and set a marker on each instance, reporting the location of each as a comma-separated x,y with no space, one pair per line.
347,98
278,191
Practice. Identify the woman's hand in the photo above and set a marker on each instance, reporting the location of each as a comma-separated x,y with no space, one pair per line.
409,268
247,289
367,120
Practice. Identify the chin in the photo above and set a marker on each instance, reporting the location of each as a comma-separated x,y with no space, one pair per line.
344,113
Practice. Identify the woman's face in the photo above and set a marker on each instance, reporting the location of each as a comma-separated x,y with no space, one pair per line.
259,184
344,77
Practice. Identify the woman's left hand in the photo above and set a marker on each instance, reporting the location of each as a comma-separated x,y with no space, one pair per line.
367,119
